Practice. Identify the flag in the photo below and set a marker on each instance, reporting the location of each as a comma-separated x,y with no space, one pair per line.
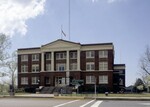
63,32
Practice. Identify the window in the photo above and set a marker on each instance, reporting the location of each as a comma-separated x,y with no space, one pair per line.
90,79
48,67
60,67
73,55
73,66
90,66
48,56
35,57
24,57
120,81
48,80
103,54
35,80
24,68
103,79
90,54
35,68
24,80
60,56
103,66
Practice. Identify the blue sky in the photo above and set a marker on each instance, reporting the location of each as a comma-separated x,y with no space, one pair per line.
126,23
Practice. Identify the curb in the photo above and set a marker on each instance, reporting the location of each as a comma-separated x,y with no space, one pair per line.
82,98
125,99
68,97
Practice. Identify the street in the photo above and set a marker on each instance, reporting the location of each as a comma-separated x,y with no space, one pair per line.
43,102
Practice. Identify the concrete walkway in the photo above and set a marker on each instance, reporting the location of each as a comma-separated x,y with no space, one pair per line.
77,97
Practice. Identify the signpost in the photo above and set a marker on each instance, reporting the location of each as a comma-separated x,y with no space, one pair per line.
77,83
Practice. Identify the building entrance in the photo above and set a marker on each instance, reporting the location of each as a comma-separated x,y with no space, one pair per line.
60,81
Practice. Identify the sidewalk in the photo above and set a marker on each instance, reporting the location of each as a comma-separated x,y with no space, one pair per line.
77,97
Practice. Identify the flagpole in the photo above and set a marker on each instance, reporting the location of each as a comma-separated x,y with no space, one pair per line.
69,19
61,32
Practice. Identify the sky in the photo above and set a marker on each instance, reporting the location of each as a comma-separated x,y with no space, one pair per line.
125,23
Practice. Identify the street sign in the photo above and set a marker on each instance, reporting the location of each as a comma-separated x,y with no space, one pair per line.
77,82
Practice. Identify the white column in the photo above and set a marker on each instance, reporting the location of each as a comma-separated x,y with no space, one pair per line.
42,62
52,61
67,70
67,64
78,60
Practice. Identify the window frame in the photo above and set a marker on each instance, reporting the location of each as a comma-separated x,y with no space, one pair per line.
48,67
103,79
73,55
24,68
24,58
89,65
90,79
73,66
48,56
59,67
35,57
34,80
90,54
24,81
103,66
36,68
60,56
103,54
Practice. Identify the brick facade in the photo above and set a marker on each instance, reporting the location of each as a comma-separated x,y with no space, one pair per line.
61,73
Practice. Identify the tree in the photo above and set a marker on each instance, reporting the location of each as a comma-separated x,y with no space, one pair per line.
4,46
145,67
145,61
139,85
11,65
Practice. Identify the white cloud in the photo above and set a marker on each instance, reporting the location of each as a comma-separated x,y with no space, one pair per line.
94,0
15,13
112,1
108,1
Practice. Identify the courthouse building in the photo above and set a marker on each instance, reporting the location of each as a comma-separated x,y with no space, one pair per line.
64,63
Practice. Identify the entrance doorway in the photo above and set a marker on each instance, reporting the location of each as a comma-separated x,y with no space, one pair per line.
59,81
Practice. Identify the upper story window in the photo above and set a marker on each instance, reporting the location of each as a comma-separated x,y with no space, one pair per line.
48,56
35,57
103,66
48,67
73,55
24,80
24,68
73,66
103,79
90,79
35,68
24,57
90,66
103,54
61,55
61,67
90,54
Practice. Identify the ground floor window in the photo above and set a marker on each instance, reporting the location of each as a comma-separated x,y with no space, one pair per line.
24,80
103,79
48,81
35,80
90,79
